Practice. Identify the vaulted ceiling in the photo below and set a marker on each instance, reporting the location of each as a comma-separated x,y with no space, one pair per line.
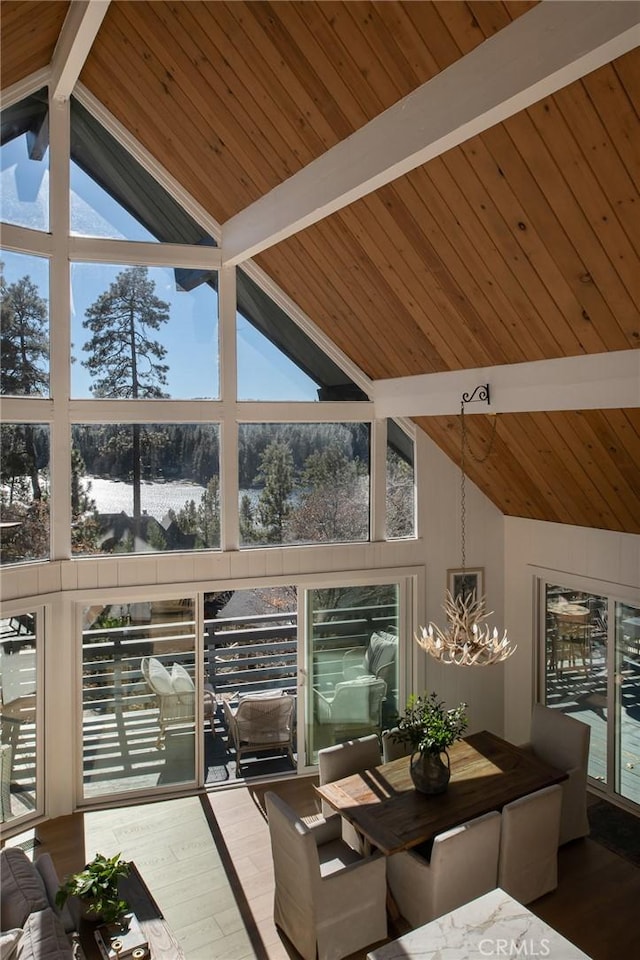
522,243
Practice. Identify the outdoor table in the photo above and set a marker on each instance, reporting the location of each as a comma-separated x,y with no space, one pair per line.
486,773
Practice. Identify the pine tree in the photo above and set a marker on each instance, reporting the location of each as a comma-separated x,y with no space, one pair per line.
124,361
24,354
276,470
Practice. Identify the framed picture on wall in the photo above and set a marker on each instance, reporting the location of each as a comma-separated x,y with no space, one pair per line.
465,582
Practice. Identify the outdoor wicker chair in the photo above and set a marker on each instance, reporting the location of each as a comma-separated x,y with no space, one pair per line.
261,723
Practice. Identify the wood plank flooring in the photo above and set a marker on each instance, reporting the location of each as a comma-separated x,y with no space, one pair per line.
207,862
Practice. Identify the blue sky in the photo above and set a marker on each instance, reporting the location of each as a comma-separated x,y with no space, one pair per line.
190,336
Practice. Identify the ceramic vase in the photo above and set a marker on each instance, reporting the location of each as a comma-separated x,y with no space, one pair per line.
428,772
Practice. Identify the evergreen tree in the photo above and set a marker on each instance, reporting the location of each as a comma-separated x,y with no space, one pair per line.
248,532
209,516
24,346
400,497
84,521
334,506
276,471
24,355
124,361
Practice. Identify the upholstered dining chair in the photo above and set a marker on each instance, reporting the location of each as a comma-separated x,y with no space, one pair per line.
463,866
340,761
392,749
528,865
329,901
563,742
261,723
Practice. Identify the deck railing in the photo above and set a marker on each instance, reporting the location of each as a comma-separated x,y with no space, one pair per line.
241,655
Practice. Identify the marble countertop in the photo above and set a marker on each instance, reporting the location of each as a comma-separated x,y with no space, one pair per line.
493,926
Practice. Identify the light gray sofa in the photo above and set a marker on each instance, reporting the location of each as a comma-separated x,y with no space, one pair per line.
32,926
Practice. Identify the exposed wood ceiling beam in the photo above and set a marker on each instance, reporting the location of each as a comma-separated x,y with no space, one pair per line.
79,30
596,381
542,51
25,88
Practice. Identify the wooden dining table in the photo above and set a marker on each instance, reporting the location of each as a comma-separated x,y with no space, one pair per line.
486,773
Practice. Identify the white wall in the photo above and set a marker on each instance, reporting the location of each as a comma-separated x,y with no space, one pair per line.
534,549
480,687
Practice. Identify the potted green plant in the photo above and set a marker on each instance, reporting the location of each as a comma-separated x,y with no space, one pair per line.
430,729
96,886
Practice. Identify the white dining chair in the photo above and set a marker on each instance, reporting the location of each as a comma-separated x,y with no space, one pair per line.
563,742
393,749
329,901
528,865
463,866
343,760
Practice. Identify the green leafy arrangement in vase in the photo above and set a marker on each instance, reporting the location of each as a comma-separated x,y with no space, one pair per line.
428,727
97,887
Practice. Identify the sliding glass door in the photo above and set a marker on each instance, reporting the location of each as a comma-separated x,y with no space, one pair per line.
19,710
351,664
590,669
627,697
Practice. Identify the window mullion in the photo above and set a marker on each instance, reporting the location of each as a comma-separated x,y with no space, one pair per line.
60,336
378,479
229,525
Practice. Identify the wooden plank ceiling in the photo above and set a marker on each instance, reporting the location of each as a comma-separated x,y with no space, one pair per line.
520,244
28,37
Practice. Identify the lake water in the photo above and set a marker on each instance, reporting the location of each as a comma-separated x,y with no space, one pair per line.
113,496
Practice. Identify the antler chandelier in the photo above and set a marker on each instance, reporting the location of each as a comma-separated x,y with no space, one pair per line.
467,640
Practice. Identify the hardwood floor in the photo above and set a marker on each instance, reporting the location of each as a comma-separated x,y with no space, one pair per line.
207,862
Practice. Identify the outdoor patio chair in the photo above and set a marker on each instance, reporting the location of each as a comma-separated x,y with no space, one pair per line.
354,710
176,695
563,742
329,901
528,866
463,866
261,723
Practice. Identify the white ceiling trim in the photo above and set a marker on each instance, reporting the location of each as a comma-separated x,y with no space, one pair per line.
25,88
79,30
595,381
542,51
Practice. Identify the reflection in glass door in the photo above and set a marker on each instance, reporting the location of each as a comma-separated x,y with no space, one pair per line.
591,671
576,664
351,663
627,692
18,706
138,696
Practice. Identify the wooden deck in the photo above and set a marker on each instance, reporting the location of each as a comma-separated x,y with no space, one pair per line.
207,862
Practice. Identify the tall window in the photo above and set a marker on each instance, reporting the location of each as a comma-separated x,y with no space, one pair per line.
304,483
24,163
144,487
138,335
150,410
24,343
24,491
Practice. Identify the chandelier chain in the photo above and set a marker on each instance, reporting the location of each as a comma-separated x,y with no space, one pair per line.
467,640
463,494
